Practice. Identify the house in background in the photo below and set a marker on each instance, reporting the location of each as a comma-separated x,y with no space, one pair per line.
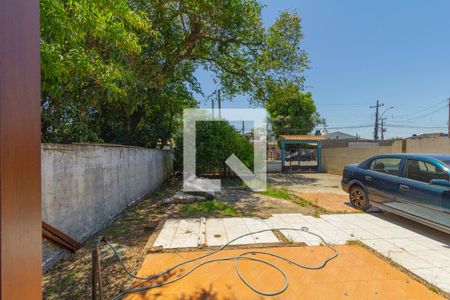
428,135
338,135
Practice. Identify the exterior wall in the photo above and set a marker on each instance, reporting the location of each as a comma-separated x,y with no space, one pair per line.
85,186
428,145
273,166
335,158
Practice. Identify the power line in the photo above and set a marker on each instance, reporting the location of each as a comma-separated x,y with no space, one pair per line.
412,126
439,109
409,116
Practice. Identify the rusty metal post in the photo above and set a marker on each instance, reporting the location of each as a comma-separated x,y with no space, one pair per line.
99,271
94,274
96,279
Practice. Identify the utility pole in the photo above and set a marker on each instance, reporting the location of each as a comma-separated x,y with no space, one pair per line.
212,106
448,118
377,111
383,130
218,102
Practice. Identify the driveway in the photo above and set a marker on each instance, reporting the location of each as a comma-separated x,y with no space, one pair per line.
420,250
307,182
355,274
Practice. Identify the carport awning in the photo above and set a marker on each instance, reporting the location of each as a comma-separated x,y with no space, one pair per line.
302,138
310,140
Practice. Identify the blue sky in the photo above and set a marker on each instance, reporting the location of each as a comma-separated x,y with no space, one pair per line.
361,51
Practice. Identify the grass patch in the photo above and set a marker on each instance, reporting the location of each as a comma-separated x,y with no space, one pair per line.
354,243
62,283
317,210
275,192
116,230
209,207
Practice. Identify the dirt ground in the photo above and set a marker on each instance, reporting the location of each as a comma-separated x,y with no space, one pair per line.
355,274
70,279
308,182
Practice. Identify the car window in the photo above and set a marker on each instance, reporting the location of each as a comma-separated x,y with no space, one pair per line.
423,171
387,165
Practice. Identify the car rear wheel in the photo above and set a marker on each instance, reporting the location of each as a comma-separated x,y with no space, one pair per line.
358,198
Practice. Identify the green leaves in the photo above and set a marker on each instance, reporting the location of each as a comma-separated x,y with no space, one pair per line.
215,142
122,71
291,110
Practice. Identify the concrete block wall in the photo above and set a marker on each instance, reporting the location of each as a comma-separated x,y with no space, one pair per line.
335,158
85,186
428,145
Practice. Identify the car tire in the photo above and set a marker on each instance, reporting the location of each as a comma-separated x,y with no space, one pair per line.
358,198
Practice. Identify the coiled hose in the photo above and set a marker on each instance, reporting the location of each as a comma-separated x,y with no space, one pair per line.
237,258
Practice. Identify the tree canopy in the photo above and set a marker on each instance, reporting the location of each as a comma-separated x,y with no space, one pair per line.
291,110
122,71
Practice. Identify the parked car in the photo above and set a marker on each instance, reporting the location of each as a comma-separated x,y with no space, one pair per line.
416,186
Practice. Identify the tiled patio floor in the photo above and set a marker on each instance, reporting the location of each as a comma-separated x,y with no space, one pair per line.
355,274
426,257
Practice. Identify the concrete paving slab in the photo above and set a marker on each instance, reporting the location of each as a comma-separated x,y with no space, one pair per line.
435,258
409,261
167,233
235,227
256,224
215,232
187,234
276,221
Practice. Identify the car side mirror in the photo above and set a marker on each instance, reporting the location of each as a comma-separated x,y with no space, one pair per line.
440,182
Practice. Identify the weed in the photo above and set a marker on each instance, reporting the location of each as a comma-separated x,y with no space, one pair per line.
301,202
431,287
209,207
353,243
317,211
62,283
275,192
116,230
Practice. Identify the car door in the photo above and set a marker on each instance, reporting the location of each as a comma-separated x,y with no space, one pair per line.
382,179
417,196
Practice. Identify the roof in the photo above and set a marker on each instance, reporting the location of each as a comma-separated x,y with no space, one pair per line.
340,134
302,137
428,135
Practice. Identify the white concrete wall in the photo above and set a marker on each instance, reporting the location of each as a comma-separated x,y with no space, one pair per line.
85,186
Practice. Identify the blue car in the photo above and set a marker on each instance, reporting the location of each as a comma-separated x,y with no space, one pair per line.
416,186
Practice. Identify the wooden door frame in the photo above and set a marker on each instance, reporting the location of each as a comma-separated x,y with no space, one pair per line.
20,150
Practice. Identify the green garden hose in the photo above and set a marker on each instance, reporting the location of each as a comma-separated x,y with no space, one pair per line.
237,258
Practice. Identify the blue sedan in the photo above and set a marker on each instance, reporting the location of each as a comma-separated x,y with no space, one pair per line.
416,186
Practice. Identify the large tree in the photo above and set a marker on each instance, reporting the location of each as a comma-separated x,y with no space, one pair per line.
122,71
291,111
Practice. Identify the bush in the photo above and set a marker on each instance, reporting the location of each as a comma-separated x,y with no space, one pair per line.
215,142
